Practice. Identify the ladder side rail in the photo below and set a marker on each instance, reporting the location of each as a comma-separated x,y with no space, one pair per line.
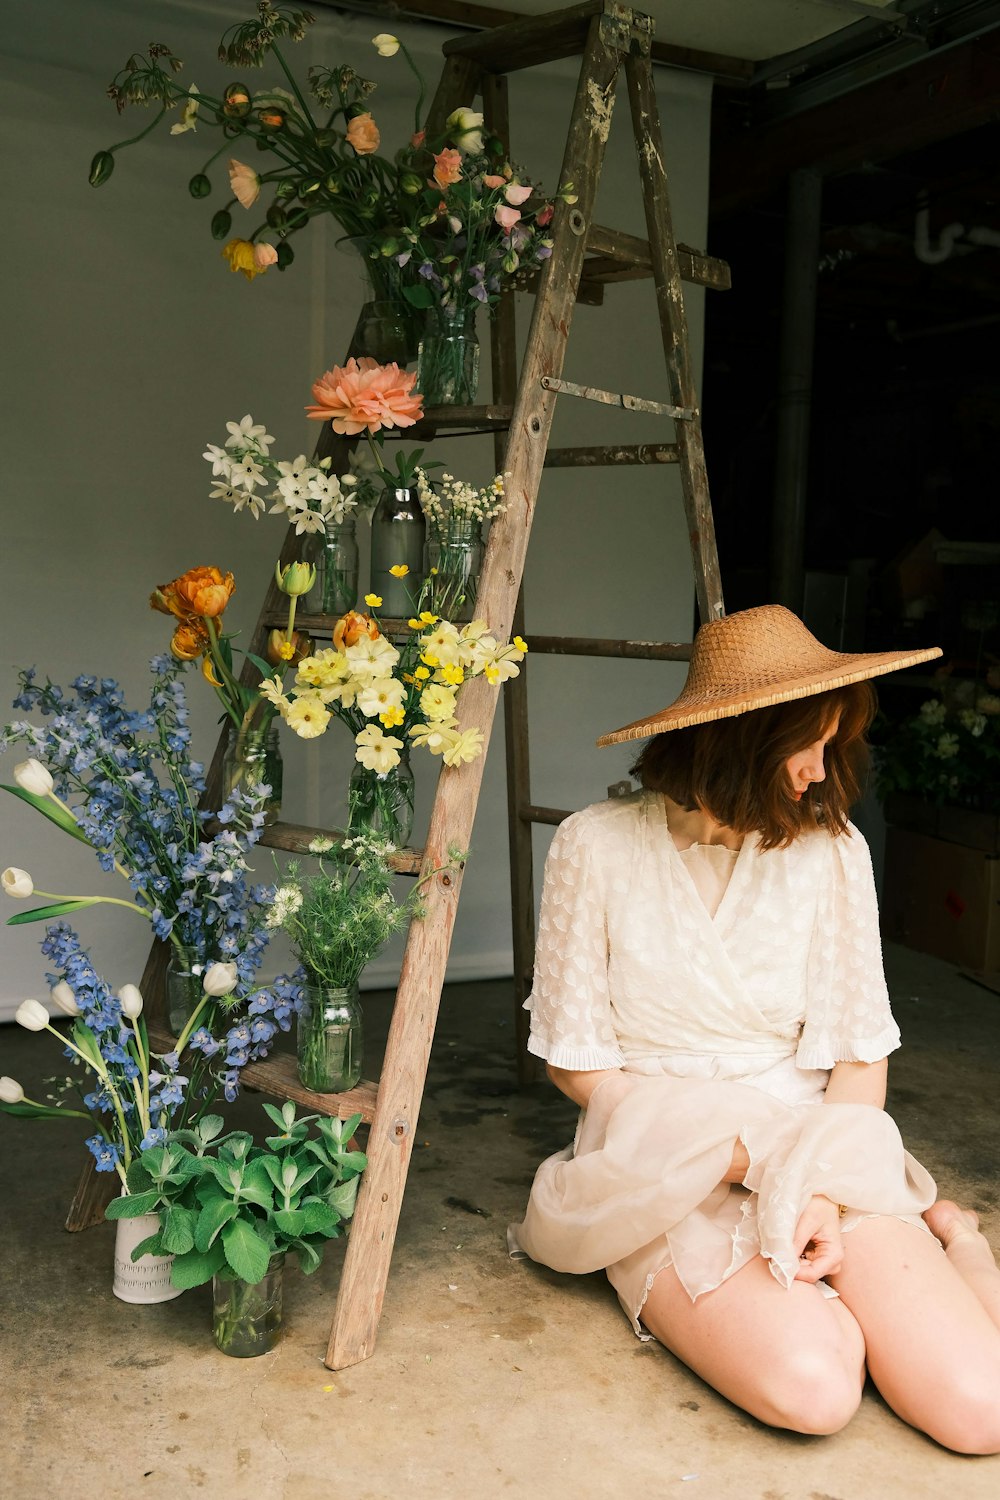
670,302
369,1249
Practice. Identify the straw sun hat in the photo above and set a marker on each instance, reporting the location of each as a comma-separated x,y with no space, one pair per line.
757,657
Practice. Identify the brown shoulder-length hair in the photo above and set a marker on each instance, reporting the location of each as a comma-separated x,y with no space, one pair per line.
734,769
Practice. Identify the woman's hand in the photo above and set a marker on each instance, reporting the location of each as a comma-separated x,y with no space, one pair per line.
817,1240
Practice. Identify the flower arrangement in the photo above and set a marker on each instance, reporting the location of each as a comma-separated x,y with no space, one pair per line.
444,220
310,496
125,784
227,1206
455,512
949,751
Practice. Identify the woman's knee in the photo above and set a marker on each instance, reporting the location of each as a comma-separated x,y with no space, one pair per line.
967,1419
812,1391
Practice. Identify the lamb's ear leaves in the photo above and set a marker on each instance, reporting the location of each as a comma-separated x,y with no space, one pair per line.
133,1206
195,1268
246,1252
51,810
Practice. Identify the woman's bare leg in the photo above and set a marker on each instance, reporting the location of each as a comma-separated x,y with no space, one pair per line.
933,1345
794,1358
968,1250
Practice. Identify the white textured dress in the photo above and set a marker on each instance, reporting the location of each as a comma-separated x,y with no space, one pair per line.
725,1024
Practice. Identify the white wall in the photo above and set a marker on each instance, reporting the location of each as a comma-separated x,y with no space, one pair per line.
129,346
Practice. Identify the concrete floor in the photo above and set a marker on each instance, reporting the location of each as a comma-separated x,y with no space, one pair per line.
491,1378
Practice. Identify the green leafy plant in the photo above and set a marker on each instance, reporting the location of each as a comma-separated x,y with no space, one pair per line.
947,753
227,1206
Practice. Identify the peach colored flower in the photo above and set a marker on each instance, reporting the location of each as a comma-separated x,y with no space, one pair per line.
418,137
544,215
244,182
202,592
239,254
363,134
264,255
447,167
366,396
350,628
517,193
507,217
190,640
493,181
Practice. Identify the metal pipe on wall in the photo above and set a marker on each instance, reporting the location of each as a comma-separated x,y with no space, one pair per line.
795,366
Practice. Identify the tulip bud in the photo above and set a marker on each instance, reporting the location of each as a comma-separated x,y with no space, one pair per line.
131,1001
32,1015
220,979
101,168
17,883
222,222
281,650
63,997
11,1091
295,579
236,101
199,186
32,776
385,44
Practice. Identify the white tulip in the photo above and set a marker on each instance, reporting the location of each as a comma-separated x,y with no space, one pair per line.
220,979
131,1001
32,776
385,44
62,996
32,1015
11,1091
17,882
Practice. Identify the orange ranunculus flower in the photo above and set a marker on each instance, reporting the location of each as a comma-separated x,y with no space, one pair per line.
279,651
447,167
190,640
363,134
366,395
351,627
199,591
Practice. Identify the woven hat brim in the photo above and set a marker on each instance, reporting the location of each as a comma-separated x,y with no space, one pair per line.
687,711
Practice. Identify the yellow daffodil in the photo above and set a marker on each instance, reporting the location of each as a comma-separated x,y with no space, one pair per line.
398,570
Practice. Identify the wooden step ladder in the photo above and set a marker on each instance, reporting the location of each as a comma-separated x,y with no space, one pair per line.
612,39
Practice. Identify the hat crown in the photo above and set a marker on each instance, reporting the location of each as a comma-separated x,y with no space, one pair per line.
752,649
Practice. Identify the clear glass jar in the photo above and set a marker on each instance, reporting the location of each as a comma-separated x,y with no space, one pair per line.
453,560
335,554
448,359
253,758
246,1318
185,969
387,331
383,803
398,534
330,1038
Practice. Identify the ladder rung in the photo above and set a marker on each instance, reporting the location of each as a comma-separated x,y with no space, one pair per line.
528,813
625,257
296,838
584,458
468,418
616,398
528,42
578,645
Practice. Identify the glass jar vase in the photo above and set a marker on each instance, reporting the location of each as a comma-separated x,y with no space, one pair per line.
253,759
387,332
246,1317
453,560
330,1038
398,534
382,802
185,969
336,557
448,358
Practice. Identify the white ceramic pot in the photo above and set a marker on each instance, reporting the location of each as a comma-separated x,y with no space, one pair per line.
146,1279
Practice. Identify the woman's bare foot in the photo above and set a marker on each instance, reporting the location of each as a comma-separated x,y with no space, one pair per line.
950,1223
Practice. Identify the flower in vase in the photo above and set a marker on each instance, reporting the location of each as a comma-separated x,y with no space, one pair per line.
516,193
203,591
437,738
381,697
438,702
442,643
465,128
130,999
369,659
374,601
270,688
220,979
189,640
63,999
467,746
366,396
363,134
240,255
282,649
376,751
32,1015
447,167
507,217
17,883
264,255
11,1091
350,628
32,776
308,716
245,183
385,44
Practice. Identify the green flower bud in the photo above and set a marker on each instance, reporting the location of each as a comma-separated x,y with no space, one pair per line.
199,186
295,578
332,184
296,217
411,183
101,168
222,222
285,189
236,101
285,255
309,186
325,138
271,117
275,216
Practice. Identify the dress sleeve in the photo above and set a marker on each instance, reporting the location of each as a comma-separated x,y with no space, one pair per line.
847,1004
570,1003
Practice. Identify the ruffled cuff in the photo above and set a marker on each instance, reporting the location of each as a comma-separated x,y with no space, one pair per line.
824,1050
576,1059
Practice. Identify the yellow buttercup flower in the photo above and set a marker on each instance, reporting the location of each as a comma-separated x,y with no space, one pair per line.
392,717
453,675
429,660
373,601
398,570
520,643
414,624
426,618
421,674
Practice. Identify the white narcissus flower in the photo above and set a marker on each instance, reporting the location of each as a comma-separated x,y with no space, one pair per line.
385,44
244,182
465,128
131,1001
32,776
220,979
17,883
32,1015
11,1091
63,997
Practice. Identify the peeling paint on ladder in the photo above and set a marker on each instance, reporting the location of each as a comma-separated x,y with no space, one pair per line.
600,109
